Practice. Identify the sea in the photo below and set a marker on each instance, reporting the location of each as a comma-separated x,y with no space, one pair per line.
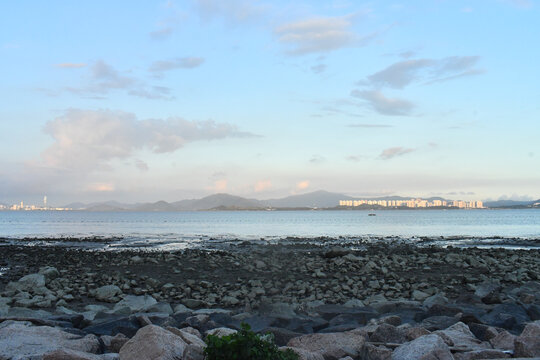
512,228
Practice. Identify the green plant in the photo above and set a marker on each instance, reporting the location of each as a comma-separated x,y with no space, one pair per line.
245,345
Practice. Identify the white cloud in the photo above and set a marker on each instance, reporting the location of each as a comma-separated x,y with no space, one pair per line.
403,73
320,35
159,67
384,105
71,65
104,78
392,152
86,139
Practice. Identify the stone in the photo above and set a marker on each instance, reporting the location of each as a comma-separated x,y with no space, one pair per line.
433,323
153,342
49,272
489,291
419,295
188,337
528,343
503,341
281,336
193,303
21,340
107,293
387,333
259,264
332,346
482,354
230,301
435,299
221,331
113,344
459,334
161,307
483,332
533,311
67,354
136,303
181,308
336,251
426,347
507,316
27,283
415,332
303,354
354,303
372,352
126,326
278,310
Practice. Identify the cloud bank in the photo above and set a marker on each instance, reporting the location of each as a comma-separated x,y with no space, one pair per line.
320,35
87,139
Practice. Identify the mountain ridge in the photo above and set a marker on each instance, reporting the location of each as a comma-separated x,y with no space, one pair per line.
224,201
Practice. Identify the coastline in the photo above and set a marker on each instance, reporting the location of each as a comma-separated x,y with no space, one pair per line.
293,290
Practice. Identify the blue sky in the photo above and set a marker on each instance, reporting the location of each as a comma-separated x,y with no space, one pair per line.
142,100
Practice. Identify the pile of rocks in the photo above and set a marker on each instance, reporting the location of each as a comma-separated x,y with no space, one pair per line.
141,327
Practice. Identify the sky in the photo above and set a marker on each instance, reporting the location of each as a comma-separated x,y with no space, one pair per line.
167,100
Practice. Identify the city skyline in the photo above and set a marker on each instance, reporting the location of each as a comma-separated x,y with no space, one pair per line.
138,102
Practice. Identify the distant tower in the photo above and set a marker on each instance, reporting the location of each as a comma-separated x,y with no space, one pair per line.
45,201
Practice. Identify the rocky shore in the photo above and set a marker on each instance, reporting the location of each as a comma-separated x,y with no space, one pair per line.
377,301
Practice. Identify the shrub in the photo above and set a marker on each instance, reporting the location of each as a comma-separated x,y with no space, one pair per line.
245,345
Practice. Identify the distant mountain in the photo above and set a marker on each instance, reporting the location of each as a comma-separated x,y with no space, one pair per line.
104,204
219,201
319,199
102,207
507,203
157,206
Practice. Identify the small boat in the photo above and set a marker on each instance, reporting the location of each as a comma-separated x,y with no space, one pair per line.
372,214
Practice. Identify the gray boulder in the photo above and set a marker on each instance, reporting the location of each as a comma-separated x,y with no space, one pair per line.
108,293
153,342
21,340
459,334
27,283
136,303
332,346
426,347
528,343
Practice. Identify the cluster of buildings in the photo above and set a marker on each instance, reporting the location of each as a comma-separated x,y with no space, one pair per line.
415,203
22,207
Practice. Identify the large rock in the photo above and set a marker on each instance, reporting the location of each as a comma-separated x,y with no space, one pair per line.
332,346
489,291
503,341
27,283
507,316
482,354
137,303
387,333
108,293
154,342
21,340
66,354
528,343
127,326
49,272
428,347
459,334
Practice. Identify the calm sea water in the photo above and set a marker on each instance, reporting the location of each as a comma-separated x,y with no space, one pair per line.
177,229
